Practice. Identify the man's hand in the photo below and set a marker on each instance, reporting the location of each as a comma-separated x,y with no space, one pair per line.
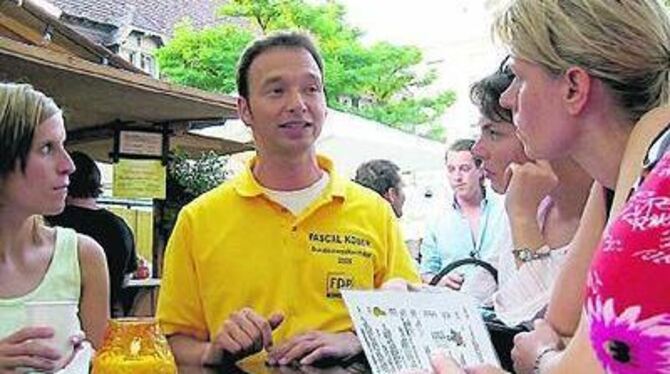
24,348
529,183
242,334
452,280
313,346
527,345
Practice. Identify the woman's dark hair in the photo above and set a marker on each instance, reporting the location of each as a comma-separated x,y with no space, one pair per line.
85,182
485,94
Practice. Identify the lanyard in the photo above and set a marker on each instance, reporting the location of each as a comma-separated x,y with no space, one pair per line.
477,244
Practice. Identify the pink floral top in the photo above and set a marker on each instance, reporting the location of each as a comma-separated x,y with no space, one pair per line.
628,299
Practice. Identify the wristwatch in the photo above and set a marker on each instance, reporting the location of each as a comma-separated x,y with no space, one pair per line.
527,254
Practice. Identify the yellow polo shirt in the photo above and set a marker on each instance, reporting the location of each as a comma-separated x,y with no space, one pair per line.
233,247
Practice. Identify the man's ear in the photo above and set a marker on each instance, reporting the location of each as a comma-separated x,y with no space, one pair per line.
391,194
480,170
244,111
577,89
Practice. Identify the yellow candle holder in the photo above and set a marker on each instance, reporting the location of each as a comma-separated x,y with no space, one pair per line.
134,345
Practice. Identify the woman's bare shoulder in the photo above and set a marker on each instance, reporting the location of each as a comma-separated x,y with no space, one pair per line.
89,249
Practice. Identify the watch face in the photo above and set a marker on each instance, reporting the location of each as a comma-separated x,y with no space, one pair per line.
527,255
523,254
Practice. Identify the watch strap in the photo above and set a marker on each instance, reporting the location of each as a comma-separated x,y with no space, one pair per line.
527,254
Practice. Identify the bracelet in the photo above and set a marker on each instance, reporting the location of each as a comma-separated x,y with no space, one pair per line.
526,254
538,360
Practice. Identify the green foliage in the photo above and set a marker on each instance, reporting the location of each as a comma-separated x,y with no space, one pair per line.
384,74
423,110
197,176
188,179
205,59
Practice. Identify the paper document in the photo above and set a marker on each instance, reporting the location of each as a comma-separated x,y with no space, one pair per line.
399,330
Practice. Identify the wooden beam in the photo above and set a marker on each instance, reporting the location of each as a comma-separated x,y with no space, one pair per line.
11,34
101,53
93,133
29,34
77,65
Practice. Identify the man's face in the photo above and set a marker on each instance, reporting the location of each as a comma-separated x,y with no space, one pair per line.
497,147
464,176
286,108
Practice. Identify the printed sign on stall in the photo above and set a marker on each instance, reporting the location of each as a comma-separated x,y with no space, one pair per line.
139,179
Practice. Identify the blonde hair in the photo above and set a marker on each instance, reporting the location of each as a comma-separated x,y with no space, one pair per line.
22,109
624,43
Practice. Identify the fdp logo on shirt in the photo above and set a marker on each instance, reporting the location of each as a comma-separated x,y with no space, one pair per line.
336,282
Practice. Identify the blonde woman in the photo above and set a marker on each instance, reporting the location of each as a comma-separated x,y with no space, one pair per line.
38,263
586,72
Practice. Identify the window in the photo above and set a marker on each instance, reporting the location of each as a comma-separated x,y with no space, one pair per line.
132,57
345,101
140,57
149,64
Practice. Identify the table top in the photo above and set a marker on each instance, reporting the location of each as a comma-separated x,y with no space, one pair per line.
148,282
354,367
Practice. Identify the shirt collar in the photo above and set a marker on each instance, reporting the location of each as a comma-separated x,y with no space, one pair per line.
246,184
482,204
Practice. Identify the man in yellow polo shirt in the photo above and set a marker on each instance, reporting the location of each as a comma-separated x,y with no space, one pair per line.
257,264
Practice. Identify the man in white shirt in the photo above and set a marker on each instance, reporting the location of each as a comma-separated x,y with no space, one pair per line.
468,226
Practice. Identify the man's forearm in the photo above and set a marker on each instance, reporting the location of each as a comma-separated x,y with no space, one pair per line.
187,350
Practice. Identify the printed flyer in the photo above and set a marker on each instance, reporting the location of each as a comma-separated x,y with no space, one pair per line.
399,330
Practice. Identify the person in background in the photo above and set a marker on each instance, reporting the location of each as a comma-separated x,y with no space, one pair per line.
383,177
232,289
40,263
469,225
83,214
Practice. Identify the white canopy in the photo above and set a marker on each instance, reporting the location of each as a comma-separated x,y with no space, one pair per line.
351,140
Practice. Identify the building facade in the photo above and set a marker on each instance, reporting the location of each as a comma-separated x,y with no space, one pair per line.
134,29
